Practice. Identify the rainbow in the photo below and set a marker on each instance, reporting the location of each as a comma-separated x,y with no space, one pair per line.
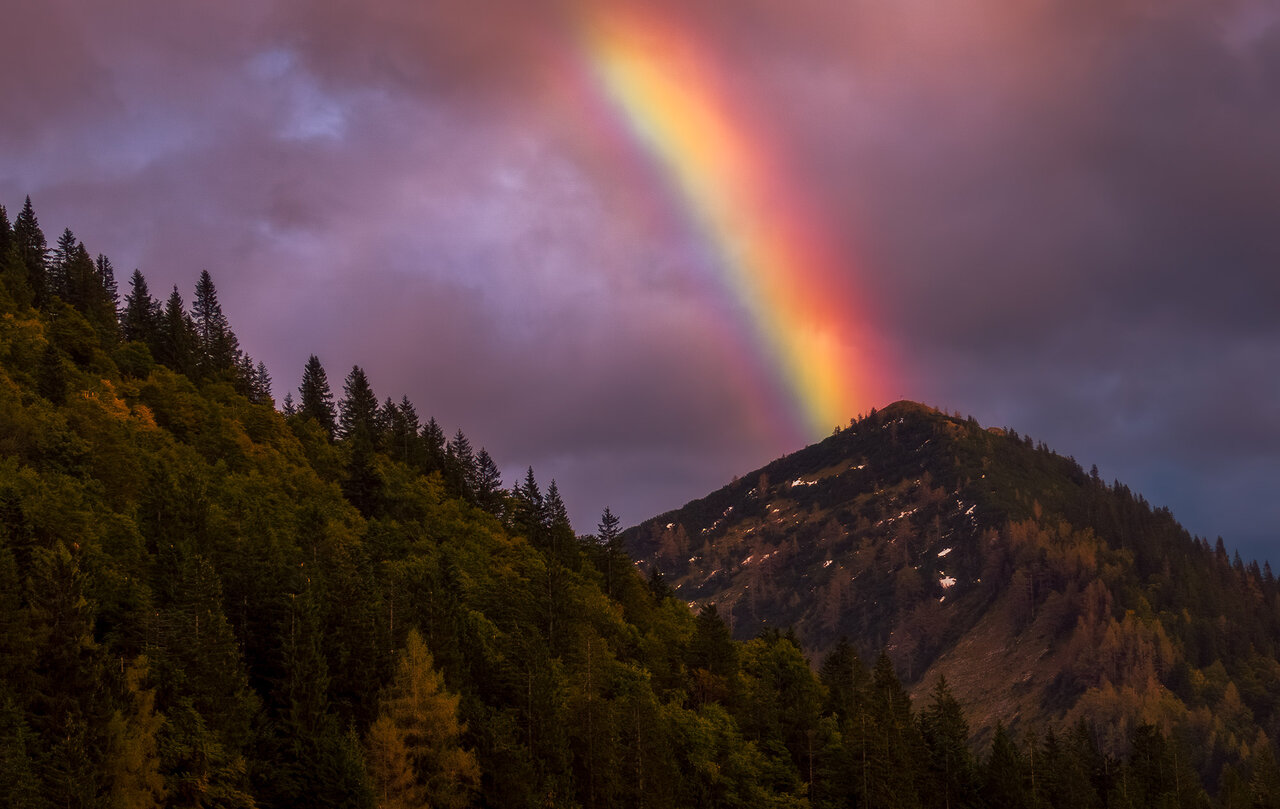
771,250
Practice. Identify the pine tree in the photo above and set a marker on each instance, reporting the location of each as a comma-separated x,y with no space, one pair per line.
315,398
414,753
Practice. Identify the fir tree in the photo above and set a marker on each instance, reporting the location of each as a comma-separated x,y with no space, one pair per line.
31,246
12,272
58,269
460,465
107,280
359,409
261,386
950,764
609,541
488,484
177,341
218,348
141,318
315,398
433,442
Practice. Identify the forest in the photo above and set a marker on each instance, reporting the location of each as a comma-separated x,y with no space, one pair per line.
206,601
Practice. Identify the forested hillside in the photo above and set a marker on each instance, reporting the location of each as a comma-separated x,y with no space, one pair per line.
1044,595
209,602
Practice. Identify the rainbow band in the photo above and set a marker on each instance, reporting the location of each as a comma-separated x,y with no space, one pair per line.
769,250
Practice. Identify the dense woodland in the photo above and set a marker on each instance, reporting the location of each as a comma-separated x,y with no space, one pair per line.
209,602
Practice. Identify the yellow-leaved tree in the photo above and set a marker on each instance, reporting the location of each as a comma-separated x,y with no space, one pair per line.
415,756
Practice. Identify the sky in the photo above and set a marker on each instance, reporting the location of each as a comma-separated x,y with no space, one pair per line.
644,247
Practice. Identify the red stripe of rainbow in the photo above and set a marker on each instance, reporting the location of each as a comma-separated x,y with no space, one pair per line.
771,250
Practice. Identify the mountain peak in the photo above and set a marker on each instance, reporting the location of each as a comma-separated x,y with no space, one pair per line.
973,553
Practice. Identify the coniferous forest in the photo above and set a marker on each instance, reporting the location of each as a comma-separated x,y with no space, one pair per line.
210,599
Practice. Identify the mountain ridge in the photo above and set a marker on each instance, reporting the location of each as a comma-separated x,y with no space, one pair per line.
1041,593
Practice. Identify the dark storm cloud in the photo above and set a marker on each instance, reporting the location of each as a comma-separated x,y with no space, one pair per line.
1062,214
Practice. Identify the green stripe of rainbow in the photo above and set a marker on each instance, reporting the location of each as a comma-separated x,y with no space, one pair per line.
772,254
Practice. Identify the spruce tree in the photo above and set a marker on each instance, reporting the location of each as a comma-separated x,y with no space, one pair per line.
177,339
315,400
359,430
218,348
488,484
58,269
359,409
460,466
12,271
951,774
141,318
31,246
609,542
433,442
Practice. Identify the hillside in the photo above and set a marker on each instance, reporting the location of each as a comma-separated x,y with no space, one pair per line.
1043,594
206,601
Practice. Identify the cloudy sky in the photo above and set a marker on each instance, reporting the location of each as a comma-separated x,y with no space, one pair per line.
1054,215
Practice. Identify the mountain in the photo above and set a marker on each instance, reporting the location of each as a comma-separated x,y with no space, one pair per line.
1041,593
206,601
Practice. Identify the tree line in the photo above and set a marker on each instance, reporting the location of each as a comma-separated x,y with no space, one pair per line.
206,602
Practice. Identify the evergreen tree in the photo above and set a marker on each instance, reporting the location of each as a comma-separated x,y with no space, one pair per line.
951,772
31,246
6,234
107,280
527,508
488,484
460,465
13,272
712,658
609,541
142,315
177,341
58,269
70,709
359,430
219,350
554,515
433,442
359,409
315,398
51,375
896,750
1003,781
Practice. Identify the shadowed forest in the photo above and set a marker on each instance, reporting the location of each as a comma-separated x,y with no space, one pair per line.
206,601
